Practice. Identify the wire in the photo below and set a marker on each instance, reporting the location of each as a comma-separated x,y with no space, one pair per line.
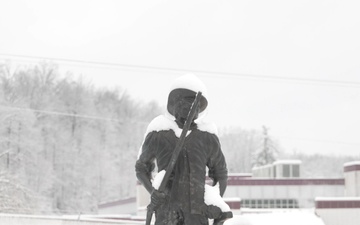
120,121
318,140
211,73
73,115
63,114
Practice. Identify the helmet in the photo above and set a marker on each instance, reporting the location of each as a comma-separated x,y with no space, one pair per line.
186,86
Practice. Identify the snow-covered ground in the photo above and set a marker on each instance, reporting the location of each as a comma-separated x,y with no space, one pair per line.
276,217
270,217
10,219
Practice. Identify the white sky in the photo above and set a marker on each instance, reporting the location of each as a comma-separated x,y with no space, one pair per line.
294,39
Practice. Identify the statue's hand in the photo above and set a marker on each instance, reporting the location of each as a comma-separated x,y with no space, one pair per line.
157,198
212,211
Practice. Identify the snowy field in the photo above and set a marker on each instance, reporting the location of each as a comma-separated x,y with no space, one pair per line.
8,219
275,217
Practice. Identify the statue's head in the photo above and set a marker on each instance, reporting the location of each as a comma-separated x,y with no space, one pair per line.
182,94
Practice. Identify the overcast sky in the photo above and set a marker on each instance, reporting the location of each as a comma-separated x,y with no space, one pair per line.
269,63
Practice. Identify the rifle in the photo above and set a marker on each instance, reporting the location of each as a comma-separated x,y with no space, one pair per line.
179,145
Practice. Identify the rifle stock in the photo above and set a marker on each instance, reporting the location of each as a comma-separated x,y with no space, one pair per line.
179,145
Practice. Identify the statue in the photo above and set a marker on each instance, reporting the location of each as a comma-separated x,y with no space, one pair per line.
182,201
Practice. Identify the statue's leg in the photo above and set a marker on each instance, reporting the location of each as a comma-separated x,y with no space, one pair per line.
192,219
169,216
160,218
162,215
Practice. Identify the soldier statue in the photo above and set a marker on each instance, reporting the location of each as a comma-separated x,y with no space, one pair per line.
182,202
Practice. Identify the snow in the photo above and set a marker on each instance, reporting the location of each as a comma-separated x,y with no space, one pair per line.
241,174
193,83
167,121
211,195
190,82
163,123
157,179
262,167
232,199
289,161
207,126
337,199
352,163
13,219
277,217
270,217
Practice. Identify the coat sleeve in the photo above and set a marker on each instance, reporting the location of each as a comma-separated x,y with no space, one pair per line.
217,164
145,163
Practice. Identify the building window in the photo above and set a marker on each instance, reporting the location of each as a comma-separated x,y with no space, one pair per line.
286,170
296,170
269,203
274,172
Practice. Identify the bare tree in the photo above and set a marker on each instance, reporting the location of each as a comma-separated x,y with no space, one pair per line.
70,145
269,150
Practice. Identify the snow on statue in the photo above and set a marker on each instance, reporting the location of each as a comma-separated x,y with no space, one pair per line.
186,200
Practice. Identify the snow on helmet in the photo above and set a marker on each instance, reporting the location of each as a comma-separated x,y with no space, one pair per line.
186,86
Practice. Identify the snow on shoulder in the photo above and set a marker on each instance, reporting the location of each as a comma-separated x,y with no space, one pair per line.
207,127
163,123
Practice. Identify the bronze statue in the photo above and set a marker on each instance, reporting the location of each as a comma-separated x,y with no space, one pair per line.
182,200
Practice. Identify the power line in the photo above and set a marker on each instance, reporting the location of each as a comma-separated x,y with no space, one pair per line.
120,121
63,114
342,83
69,114
319,140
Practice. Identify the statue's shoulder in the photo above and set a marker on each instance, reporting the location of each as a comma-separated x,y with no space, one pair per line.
161,123
208,127
164,123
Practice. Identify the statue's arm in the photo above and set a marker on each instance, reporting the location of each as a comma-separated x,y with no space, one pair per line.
145,163
222,185
217,167
143,174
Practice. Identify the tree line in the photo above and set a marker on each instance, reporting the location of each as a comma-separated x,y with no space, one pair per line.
66,145
245,149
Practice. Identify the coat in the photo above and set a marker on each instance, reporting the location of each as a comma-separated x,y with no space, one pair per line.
201,150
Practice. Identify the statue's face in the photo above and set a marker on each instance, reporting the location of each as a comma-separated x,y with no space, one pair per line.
183,106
